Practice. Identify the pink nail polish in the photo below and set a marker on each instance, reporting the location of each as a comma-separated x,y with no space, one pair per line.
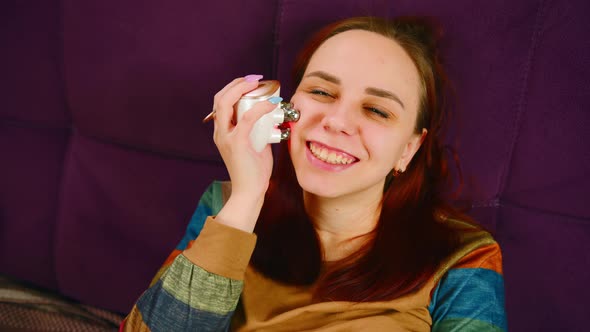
253,78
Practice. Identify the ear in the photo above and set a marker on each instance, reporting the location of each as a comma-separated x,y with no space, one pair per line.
410,150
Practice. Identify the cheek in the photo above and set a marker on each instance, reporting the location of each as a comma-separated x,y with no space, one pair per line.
308,114
297,100
384,147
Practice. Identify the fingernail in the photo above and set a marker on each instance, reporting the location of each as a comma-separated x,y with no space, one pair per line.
275,100
253,78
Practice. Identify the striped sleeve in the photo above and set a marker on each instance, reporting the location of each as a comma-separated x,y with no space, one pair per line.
470,296
209,205
198,292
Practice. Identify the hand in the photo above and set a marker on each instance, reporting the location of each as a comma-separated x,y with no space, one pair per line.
249,170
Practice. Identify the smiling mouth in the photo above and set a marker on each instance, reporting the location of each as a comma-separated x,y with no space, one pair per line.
330,156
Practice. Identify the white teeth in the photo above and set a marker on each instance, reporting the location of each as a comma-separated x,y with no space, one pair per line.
328,156
332,158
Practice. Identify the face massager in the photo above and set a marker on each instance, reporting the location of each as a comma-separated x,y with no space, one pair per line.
266,130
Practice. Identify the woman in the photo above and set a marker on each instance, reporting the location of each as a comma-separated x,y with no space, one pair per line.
352,231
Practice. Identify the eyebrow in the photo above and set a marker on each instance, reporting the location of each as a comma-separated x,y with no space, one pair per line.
325,76
371,91
384,94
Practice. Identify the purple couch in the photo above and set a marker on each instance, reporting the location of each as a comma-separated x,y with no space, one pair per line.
104,157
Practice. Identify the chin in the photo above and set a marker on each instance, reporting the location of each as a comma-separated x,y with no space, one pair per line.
320,187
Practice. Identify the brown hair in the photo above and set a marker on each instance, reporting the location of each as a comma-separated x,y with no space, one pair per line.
409,241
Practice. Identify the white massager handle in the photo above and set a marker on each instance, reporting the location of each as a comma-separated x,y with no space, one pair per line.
265,130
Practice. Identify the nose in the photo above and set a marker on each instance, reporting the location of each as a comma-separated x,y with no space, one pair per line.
340,120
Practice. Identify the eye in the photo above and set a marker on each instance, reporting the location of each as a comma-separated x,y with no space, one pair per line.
378,112
320,93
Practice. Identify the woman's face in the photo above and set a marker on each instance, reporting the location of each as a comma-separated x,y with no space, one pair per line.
358,100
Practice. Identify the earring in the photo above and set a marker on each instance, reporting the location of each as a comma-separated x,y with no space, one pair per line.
396,172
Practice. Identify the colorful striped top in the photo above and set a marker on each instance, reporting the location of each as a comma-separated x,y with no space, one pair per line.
216,290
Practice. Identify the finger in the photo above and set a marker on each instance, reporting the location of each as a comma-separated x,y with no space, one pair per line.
247,78
211,115
224,104
229,86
